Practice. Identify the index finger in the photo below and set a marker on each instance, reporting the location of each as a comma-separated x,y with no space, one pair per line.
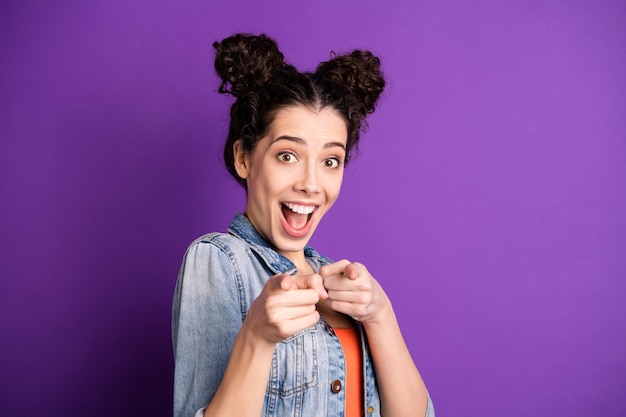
312,281
336,268
279,282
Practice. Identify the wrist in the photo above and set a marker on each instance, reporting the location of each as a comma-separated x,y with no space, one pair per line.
383,316
250,335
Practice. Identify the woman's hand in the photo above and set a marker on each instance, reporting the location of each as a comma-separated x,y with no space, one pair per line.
285,306
352,290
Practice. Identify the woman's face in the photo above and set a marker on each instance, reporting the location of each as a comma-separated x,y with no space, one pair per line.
294,175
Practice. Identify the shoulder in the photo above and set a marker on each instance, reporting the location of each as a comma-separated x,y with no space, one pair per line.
214,252
217,241
211,265
217,252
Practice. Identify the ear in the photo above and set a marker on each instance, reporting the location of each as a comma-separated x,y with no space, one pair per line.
242,160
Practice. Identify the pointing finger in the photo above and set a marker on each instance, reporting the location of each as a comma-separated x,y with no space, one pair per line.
336,268
313,281
286,283
279,282
354,270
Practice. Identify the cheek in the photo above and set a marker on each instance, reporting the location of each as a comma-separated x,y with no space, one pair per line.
270,184
334,187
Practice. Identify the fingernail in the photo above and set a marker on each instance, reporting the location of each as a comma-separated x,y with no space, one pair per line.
324,292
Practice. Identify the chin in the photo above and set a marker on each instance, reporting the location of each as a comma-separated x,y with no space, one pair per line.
291,245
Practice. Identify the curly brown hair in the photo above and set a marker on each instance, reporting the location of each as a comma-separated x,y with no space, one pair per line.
253,69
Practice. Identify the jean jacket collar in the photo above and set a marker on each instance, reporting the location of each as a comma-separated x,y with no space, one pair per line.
243,229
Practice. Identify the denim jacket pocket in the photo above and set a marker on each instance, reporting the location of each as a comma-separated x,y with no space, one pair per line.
294,365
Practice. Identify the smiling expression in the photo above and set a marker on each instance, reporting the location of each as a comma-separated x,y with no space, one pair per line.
294,176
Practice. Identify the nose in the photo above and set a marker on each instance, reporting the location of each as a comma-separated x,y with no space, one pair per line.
309,179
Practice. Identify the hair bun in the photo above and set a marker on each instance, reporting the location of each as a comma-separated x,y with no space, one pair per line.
245,62
359,72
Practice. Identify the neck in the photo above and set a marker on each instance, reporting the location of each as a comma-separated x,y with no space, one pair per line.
299,260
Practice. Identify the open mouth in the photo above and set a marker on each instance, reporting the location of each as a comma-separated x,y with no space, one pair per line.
297,217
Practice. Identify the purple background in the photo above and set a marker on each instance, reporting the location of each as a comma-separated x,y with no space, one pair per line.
489,197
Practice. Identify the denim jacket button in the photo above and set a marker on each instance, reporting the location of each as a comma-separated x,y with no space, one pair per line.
335,387
370,410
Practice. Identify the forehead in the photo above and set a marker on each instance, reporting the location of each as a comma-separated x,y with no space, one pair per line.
309,124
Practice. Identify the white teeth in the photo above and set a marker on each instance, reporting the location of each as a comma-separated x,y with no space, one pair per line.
296,208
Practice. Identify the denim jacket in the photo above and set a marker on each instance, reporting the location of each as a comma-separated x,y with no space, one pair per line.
222,274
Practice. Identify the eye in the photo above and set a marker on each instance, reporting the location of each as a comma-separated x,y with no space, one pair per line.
331,162
287,157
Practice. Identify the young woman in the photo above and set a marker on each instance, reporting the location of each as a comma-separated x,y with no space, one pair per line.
262,324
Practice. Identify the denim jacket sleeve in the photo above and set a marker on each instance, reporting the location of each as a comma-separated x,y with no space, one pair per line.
206,318
220,276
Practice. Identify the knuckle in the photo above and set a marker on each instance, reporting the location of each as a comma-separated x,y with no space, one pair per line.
363,299
274,317
362,311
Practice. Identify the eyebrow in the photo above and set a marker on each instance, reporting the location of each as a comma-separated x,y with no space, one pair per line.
303,142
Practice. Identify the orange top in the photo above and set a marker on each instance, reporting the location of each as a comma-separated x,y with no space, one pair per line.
350,340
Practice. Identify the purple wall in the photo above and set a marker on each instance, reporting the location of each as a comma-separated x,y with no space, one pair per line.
489,197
